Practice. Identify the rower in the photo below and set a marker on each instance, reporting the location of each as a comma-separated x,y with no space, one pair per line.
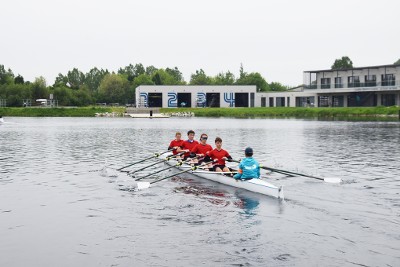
176,143
200,150
188,145
249,168
220,155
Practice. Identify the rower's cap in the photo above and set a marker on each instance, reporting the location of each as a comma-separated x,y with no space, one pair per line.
248,151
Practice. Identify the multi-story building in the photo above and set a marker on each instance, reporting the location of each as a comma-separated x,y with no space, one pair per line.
355,87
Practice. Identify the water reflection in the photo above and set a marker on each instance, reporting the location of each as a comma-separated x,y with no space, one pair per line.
249,205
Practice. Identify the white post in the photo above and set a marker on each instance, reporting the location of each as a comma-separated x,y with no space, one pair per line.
378,99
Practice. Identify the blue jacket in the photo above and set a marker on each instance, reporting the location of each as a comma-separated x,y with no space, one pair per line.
248,168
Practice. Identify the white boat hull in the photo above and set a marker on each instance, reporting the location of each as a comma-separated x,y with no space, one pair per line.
254,185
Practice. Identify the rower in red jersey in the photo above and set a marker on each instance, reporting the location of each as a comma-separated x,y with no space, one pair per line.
220,156
201,149
176,143
188,145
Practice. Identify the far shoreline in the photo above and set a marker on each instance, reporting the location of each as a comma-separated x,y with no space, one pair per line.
351,113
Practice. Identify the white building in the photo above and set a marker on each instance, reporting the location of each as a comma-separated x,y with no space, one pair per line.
355,87
169,96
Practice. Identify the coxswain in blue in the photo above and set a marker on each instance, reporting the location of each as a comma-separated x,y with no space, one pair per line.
249,168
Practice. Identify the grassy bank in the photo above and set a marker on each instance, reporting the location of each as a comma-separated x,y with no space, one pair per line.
289,112
353,112
58,112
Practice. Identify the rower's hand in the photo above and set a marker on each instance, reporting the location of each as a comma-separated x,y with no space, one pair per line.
200,155
225,158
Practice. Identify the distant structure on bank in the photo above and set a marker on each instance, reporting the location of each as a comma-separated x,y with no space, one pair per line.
355,87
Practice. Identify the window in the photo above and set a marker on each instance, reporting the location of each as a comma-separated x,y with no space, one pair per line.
388,80
263,101
271,101
338,82
353,81
325,83
370,80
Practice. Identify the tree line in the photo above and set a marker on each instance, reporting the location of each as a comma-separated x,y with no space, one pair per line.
76,88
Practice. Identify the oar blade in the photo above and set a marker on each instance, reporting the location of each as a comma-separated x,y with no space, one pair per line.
333,180
142,185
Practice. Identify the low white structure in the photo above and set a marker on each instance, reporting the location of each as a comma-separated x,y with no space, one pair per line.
169,96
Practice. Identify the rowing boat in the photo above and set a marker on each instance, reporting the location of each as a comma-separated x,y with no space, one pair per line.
254,185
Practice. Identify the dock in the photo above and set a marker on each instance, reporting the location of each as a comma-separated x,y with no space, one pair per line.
150,113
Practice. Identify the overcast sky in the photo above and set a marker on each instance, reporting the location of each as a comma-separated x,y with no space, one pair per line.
280,39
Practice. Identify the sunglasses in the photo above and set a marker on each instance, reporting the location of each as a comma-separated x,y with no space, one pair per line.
204,138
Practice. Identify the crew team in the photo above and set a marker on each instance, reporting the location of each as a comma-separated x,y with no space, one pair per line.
201,153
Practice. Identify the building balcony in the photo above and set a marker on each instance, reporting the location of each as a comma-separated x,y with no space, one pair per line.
353,85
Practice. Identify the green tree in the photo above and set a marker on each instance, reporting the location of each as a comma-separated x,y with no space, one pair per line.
39,88
143,79
19,79
75,78
177,75
113,88
342,63
94,77
200,78
150,70
224,79
63,94
253,78
6,76
162,77
397,62
61,80
275,86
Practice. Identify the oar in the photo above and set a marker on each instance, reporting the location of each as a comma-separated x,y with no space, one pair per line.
178,164
154,156
327,180
144,185
141,169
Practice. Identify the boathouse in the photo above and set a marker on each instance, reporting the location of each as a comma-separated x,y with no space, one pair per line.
172,96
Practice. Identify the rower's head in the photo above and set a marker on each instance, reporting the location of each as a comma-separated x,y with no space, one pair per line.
178,136
248,152
203,138
218,142
190,134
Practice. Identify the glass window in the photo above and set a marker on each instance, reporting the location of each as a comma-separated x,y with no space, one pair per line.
338,82
325,83
353,81
370,80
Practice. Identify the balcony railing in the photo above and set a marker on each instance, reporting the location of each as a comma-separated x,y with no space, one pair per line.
353,85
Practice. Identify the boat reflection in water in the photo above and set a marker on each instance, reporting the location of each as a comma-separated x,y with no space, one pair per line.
248,204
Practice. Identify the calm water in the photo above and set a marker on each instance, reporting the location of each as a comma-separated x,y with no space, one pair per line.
57,210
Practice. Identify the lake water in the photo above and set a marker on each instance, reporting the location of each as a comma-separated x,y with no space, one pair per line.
57,210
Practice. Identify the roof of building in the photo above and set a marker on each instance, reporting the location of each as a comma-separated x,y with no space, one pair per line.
357,68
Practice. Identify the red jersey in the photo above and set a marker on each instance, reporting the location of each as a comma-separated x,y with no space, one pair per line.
175,143
201,149
215,154
188,145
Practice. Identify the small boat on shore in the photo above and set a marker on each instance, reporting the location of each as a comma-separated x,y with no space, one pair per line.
254,185
1,120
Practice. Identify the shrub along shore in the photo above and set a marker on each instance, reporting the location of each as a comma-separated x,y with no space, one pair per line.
351,112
